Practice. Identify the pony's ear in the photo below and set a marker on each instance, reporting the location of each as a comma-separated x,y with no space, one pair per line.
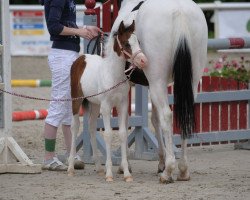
121,28
131,28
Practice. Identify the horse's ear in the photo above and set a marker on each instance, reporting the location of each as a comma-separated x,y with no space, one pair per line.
132,26
121,28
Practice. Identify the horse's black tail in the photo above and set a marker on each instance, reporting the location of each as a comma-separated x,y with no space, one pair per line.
183,90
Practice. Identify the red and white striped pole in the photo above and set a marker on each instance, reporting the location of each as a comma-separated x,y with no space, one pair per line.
229,43
33,114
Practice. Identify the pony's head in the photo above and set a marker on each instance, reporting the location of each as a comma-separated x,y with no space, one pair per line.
127,45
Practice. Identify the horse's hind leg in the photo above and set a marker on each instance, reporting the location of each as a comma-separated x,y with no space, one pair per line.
156,124
199,63
158,95
183,165
123,133
93,115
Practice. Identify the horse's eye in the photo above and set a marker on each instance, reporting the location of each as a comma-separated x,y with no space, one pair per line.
139,42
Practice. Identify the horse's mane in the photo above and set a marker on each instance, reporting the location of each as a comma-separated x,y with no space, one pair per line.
124,2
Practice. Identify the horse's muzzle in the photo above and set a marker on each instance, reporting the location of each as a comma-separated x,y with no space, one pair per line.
140,60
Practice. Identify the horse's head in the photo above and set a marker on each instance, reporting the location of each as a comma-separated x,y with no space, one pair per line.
127,45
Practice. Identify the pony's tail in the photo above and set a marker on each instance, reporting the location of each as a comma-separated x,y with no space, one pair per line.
183,88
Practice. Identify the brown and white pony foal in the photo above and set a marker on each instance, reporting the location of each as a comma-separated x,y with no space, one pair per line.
92,74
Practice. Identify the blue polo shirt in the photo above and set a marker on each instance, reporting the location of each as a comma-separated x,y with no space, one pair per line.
60,13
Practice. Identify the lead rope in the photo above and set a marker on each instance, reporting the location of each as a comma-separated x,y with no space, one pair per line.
67,99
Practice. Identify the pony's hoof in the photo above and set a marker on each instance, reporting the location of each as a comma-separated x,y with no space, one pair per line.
71,173
109,179
183,178
166,181
128,179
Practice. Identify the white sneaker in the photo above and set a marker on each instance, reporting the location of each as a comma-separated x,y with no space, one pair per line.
54,165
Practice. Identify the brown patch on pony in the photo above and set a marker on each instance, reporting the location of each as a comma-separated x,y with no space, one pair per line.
123,34
76,73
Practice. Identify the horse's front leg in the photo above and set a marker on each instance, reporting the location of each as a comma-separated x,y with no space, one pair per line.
123,133
75,124
183,165
93,115
105,110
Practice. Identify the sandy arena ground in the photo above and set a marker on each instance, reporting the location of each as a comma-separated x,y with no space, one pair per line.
217,172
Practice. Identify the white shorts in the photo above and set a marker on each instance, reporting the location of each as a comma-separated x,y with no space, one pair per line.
60,61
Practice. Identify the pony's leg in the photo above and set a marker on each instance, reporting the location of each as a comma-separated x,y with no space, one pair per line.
159,98
93,115
120,169
123,133
105,110
182,165
156,125
75,124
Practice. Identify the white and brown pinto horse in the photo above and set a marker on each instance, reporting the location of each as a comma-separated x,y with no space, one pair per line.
173,35
92,74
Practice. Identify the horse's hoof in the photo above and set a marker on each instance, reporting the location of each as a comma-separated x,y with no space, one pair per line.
109,179
166,181
128,179
183,178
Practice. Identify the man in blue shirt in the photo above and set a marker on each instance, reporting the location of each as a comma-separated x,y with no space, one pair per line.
65,35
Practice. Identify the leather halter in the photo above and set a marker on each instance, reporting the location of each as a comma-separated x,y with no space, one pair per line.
131,56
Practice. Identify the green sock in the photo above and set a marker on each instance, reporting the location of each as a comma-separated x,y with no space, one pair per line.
50,145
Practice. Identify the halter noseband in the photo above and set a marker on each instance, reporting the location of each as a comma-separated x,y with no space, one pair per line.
131,57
